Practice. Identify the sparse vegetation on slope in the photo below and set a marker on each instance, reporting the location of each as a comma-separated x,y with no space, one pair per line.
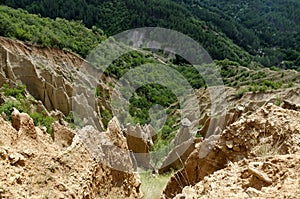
16,98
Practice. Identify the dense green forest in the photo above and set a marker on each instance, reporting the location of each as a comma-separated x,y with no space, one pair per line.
116,16
58,33
267,30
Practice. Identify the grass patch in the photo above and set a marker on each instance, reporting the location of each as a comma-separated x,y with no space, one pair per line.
269,146
153,186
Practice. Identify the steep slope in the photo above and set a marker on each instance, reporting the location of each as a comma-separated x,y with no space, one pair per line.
47,73
267,29
269,131
116,16
263,177
58,33
39,167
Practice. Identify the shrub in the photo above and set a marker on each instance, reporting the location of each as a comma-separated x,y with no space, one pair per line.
17,91
274,68
271,84
42,120
289,85
278,101
106,117
74,120
58,33
241,92
259,75
98,92
7,108
198,134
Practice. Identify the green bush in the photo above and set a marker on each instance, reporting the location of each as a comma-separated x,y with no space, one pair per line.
259,75
106,117
42,120
278,101
23,105
17,91
239,94
98,92
274,68
272,84
74,120
7,108
289,85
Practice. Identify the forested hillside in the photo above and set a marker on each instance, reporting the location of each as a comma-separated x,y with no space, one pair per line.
58,33
268,30
116,16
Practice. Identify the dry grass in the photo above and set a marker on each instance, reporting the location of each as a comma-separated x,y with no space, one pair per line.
153,186
267,147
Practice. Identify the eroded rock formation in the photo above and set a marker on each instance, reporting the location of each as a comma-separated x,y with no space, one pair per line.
43,168
47,73
262,177
268,131
139,142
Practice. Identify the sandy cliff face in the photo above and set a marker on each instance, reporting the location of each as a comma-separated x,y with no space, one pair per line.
262,177
38,167
47,73
55,77
269,131
68,164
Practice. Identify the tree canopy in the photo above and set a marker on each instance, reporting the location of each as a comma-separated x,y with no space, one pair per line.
58,33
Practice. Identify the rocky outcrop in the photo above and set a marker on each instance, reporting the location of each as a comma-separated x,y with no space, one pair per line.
196,167
41,168
263,177
110,150
61,80
47,73
290,105
270,130
247,104
23,123
182,146
139,141
184,142
214,125
178,155
62,135
185,132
